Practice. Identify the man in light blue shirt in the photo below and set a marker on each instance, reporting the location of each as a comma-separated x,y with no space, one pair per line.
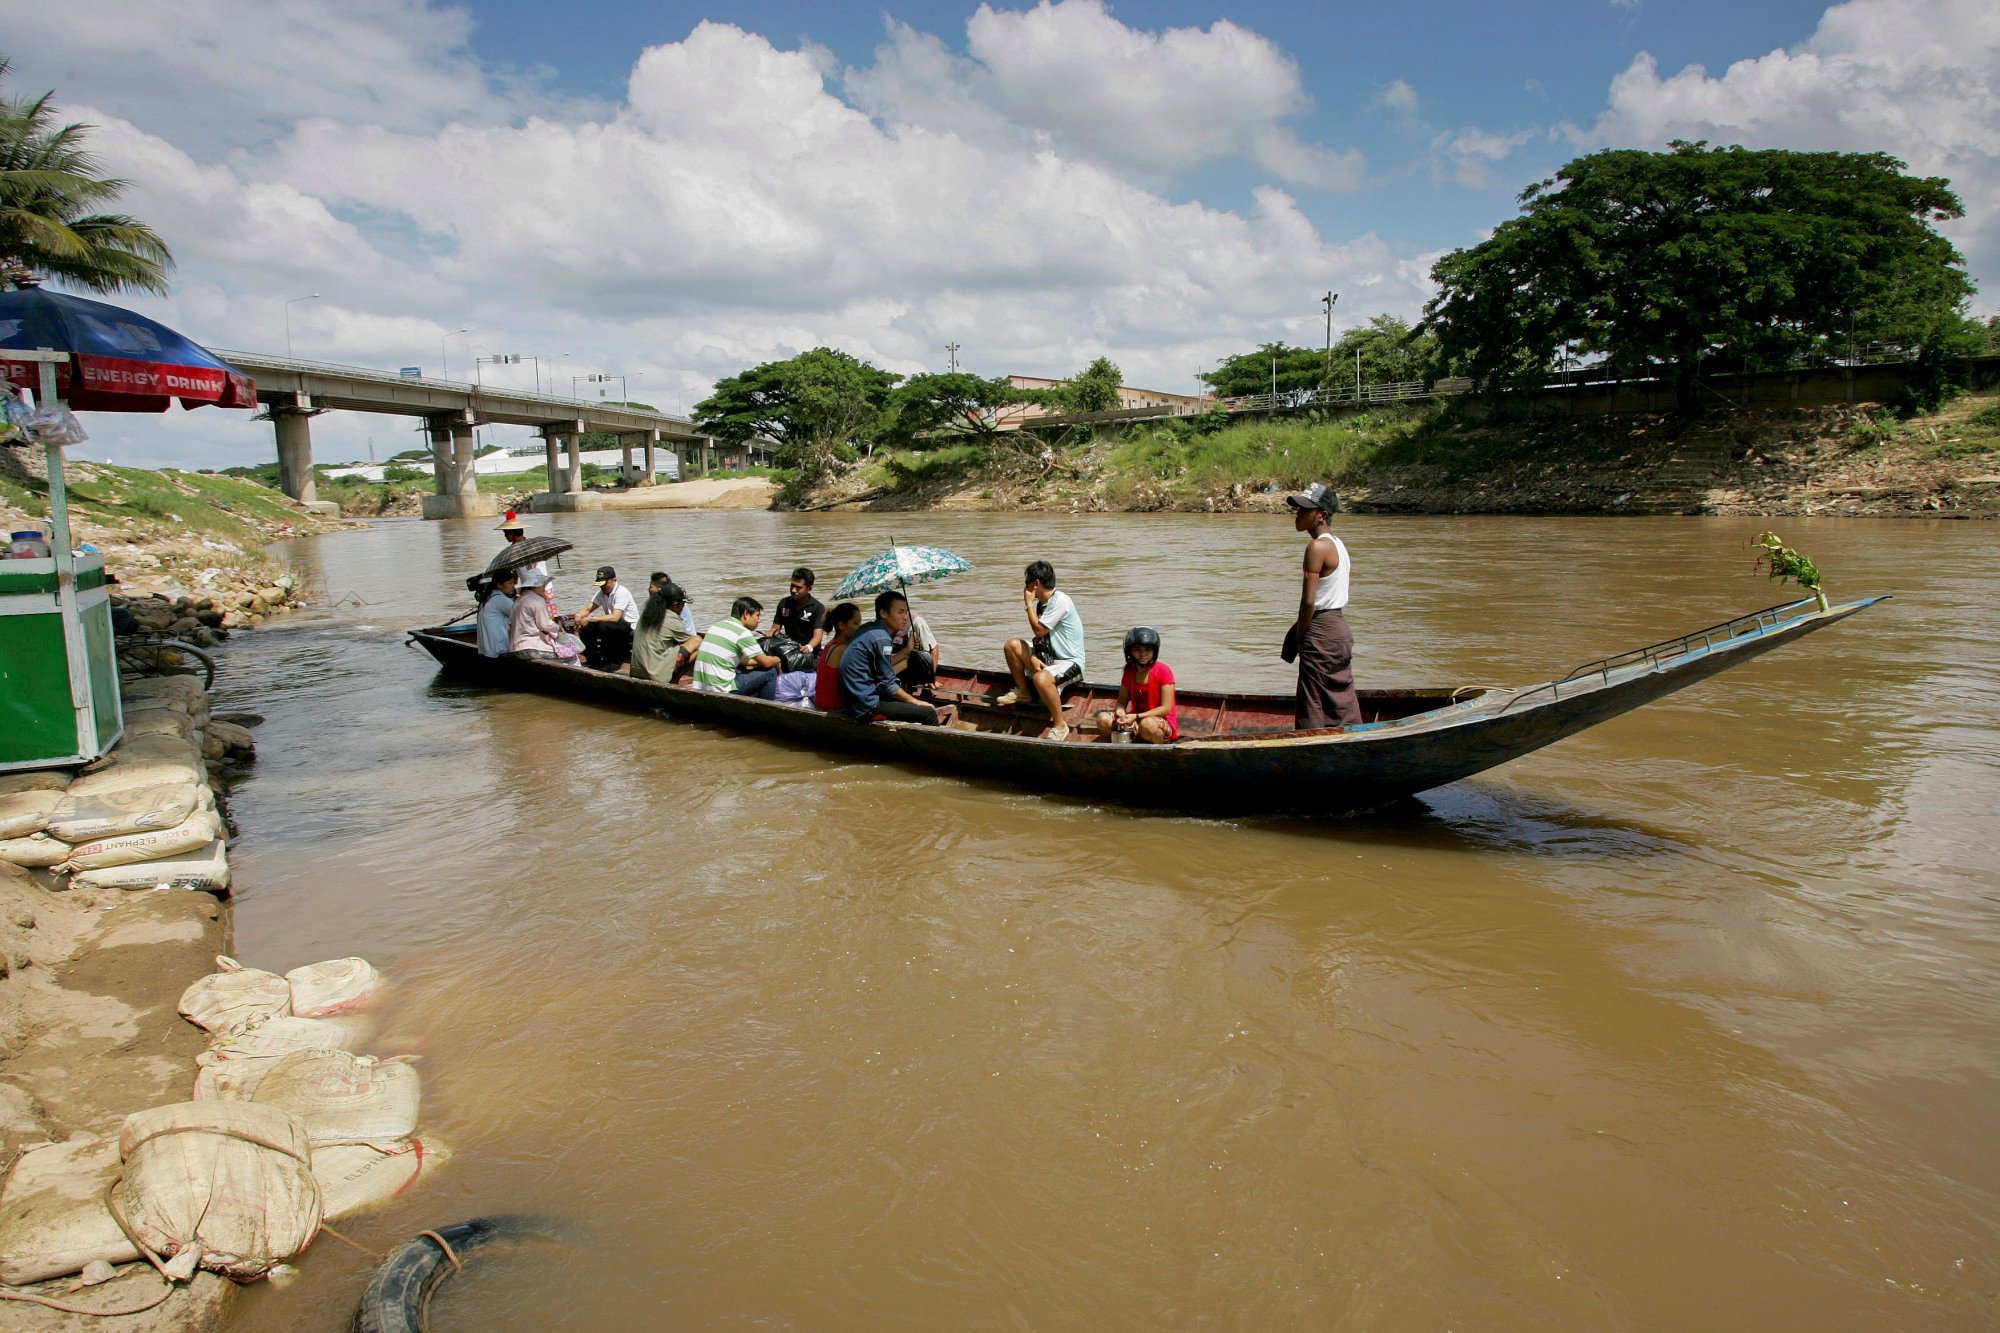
1053,658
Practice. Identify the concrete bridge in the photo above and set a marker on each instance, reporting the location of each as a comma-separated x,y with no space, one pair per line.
294,392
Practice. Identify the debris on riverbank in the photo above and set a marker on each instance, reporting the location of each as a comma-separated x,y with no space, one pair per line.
1855,460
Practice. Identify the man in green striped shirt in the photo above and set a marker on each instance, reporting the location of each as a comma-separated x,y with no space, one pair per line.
732,658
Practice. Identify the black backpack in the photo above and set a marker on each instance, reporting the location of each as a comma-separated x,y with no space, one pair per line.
791,655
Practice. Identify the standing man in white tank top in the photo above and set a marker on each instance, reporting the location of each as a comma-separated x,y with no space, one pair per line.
1319,638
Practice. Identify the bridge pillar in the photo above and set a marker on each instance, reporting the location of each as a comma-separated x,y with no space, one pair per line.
707,446
652,452
295,455
625,457
454,451
549,446
573,465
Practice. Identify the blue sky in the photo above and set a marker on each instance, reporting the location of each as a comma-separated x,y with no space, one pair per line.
674,193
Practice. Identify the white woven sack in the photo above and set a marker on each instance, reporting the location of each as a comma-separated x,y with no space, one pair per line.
282,1036
233,996
159,722
37,849
47,780
53,1219
231,1182
197,830
359,1177
203,868
24,813
159,760
233,1080
100,813
185,688
345,1098
338,986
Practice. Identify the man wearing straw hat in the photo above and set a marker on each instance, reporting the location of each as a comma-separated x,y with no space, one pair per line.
511,528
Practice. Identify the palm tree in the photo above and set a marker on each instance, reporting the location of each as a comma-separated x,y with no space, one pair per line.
48,184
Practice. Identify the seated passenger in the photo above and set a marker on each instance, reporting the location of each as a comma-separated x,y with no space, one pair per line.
606,624
1146,709
496,615
800,616
842,624
868,672
660,580
532,631
663,641
916,654
731,658
1053,658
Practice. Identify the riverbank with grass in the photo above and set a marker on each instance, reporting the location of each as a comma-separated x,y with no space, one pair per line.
167,532
1859,459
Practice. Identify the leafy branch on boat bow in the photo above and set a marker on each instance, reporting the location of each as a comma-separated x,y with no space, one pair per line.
1782,563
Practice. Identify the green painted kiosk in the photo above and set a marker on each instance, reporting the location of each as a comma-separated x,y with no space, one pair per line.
59,699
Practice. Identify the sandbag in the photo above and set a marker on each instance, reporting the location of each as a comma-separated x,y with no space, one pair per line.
357,1177
46,780
179,764
163,687
100,813
23,813
166,723
197,830
338,986
283,1035
53,1219
344,1098
37,849
233,1080
231,1181
205,867
233,997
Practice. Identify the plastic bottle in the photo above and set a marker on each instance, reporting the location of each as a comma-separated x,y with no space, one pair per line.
28,545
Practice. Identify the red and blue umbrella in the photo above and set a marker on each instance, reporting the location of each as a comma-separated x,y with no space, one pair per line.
119,361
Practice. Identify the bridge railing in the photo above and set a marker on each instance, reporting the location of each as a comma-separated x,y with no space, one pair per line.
376,376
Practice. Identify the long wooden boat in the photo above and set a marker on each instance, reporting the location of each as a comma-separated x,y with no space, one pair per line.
1237,752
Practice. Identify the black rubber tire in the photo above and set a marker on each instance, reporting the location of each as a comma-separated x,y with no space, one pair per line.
402,1287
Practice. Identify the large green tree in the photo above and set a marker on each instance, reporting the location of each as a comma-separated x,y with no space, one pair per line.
50,191
940,409
1659,262
815,406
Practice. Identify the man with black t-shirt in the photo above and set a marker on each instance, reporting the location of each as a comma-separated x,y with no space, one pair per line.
801,617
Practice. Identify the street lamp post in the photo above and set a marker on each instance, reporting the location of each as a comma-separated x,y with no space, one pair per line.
288,320
444,352
552,373
951,350
1328,301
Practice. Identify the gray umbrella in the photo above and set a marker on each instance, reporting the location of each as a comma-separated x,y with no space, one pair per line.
528,551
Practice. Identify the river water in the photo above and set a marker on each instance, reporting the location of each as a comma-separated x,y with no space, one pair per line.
1689,1021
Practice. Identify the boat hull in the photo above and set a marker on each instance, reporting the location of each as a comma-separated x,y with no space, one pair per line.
1267,770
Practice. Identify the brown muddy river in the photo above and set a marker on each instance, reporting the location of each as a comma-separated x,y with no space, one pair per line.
1692,1021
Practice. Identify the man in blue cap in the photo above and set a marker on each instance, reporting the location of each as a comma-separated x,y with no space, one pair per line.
1319,638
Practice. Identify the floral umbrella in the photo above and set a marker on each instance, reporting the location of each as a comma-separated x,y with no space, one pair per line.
899,567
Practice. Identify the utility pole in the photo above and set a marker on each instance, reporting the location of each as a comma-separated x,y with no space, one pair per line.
1328,301
951,351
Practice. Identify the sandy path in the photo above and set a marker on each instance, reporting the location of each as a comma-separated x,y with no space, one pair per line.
709,493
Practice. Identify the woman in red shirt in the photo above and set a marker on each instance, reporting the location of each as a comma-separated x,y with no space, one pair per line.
841,625
1146,710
